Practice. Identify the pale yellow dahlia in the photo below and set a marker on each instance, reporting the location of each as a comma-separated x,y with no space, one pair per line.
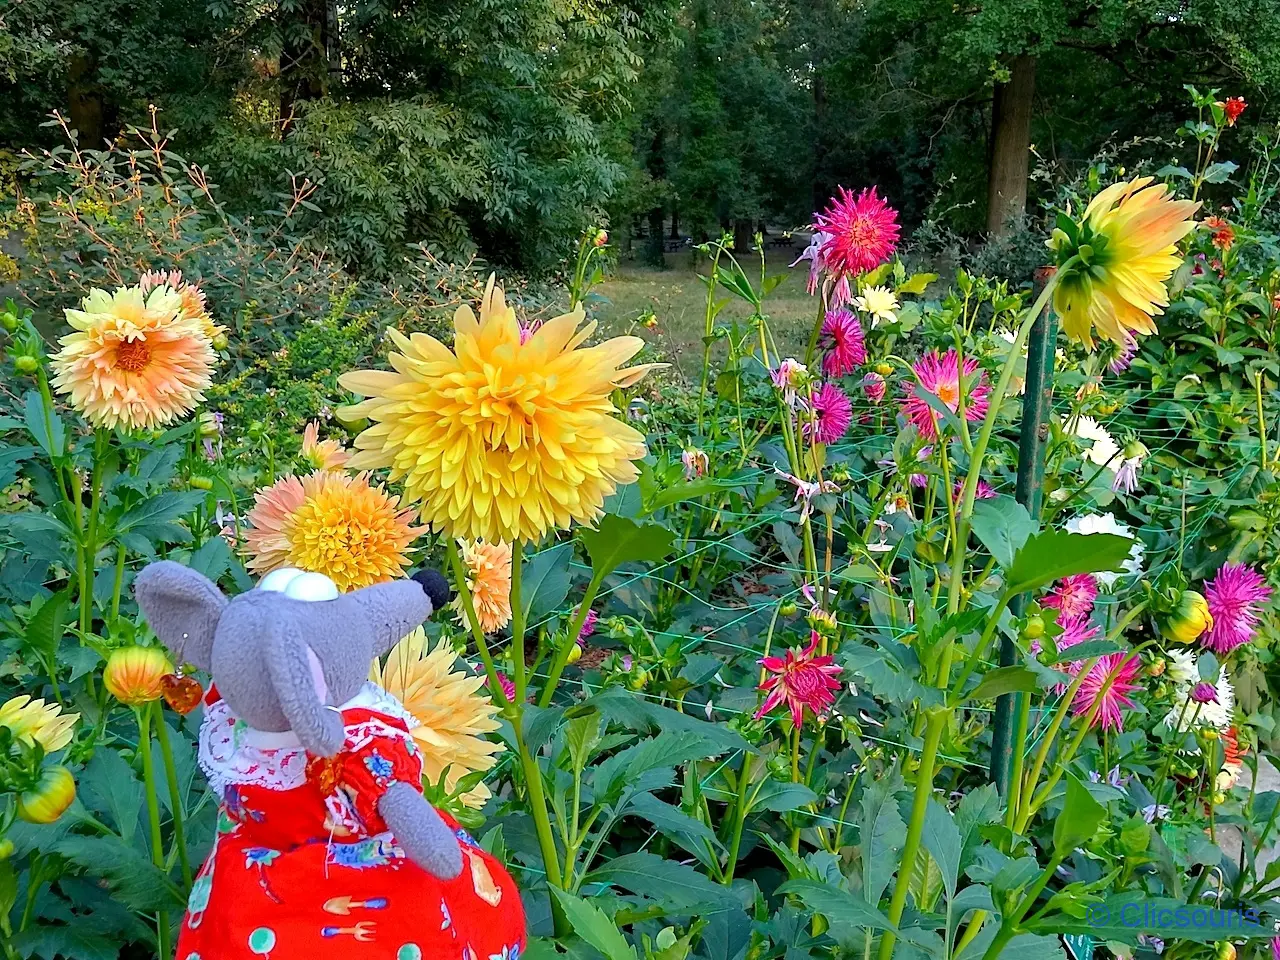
489,580
194,303
322,454
38,722
1113,264
350,530
133,361
500,440
452,715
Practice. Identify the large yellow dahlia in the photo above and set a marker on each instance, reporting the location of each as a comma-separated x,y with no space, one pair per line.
500,440
452,716
38,722
353,532
489,580
133,360
1115,261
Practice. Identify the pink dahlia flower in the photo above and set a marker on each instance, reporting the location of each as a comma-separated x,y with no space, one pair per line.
873,387
832,413
843,340
940,376
1235,596
1073,596
863,232
1116,696
802,680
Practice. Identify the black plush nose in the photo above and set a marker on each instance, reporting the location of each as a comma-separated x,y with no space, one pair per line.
435,586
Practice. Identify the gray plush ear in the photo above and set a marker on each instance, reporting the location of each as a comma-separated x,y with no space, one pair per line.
183,608
393,609
295,673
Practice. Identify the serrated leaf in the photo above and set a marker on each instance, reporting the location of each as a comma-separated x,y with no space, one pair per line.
1002,680
48,432
544,581
841,909
1078,822
72,942
131,876
1053,554
693,835
590,923
941,838
680,887
1003,525
48,625
618,540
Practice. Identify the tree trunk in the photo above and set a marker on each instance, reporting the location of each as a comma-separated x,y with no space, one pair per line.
675,222
1010,146
84,103
743,236
304,55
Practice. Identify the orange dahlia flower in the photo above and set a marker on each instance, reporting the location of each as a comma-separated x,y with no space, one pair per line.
322,454
489,580
350,530
194,304
134,361
135,675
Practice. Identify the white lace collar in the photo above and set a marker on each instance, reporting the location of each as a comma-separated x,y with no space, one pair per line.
233,752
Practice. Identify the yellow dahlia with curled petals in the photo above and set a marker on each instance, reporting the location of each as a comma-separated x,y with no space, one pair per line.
132,360
499,440
38,722
452,714
1114,262
352,531
488,568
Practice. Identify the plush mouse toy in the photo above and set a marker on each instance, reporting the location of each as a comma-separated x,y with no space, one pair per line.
325,847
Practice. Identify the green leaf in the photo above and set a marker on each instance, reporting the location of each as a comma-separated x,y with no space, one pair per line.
684,491
109,788
1080,651
590,923
1079,820
1053,554
1002,680
618,540
48,433
611,776
680,887
544,581
213,559
1220,171
693,835
781,796
48,625
154,470
882,831
581,736
1003,525
71,942
941,838
841,909
154,516
917,283
130,874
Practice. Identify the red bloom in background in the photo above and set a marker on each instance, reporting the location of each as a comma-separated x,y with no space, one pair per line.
802,680
1221,234
845,345
1233,107
1073,595
863,233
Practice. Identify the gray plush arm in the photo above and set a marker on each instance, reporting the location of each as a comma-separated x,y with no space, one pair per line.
417,827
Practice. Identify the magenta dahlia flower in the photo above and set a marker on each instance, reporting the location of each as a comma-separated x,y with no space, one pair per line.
983,491
802,680
863,233
1073,596
1235,596
843,340
832,414
873,387
1116,696
941,377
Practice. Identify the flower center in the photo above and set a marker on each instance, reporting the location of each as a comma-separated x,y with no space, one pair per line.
949,393
133,355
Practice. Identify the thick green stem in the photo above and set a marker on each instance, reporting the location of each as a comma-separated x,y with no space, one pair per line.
175,795
477,632
915,829
143,713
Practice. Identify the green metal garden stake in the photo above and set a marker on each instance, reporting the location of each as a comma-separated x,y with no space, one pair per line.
1036,405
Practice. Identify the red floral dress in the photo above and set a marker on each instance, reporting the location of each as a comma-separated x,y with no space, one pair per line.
304,868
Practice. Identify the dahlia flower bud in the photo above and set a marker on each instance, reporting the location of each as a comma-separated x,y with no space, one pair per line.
1189,619
135,675
49,798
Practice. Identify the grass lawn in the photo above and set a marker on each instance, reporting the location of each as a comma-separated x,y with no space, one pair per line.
678,298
